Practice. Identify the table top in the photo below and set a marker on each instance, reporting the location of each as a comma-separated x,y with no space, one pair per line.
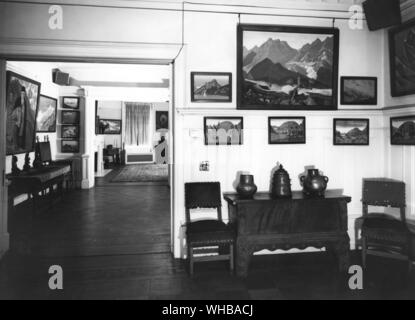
234,198
42,174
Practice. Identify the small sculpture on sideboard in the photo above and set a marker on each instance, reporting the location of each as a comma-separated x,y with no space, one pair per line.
313,183
15,169
246,187
281,183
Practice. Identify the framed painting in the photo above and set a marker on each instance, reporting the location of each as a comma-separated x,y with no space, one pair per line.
351,132
70,117
211,87
403,130
70,102
223,130
22,102
287,68
359,91
402,59
286,130
46,114
70,146
69,132
162,120
109,126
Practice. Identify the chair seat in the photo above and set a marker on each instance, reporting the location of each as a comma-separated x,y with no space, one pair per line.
383,221
209,232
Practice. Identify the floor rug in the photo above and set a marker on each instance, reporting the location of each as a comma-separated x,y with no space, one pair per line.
142,173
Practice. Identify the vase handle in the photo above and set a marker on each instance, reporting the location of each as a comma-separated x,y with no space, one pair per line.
302,178
326,179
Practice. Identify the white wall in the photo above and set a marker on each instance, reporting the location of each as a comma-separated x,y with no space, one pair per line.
111,110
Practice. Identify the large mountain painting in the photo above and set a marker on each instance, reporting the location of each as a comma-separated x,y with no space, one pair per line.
287,69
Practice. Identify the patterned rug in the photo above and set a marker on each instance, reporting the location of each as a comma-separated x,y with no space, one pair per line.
142,173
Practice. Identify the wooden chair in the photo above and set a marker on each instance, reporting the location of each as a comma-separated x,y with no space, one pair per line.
383,234
202,235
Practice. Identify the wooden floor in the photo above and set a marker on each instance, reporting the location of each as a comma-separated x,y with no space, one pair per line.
113,242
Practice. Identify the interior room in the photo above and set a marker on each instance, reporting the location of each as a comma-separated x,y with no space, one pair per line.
233,150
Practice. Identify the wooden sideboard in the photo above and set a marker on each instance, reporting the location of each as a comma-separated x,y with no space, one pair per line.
298,222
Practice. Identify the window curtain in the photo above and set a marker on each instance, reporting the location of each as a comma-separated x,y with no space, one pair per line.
137,123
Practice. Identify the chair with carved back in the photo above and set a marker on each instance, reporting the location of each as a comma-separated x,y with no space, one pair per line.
203,235
384,234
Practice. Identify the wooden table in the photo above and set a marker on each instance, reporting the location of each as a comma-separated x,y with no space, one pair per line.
299,222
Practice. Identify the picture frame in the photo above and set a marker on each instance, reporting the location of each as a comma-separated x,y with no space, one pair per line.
70,102
110,126
162,120
47,114
21,135
402,66
211,87
287,130
70,117
69,131
223,130
277,70
351,132
70,146
359,91
402,131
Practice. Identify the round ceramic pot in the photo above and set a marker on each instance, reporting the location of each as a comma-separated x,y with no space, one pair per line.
246,187
314,184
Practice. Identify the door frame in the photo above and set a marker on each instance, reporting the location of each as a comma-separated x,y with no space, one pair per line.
4,236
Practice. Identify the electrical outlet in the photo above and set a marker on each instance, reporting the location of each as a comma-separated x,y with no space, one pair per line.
204,166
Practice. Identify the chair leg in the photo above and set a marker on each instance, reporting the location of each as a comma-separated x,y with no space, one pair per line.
364,253
231,257
191,262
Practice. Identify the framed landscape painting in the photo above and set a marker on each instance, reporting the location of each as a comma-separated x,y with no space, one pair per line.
287,68
22,102
70,117
69,132
46,114
359,91
351,132
70,146
70,102
402,59
211,87
286,130
403,130
108,126
223,130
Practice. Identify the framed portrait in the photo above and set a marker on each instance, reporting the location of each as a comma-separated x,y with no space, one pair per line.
46,114
287,68
69,146
223,130
69,131
286,130
402,62
351,132
403,130
162,120
70,102
211,86
22,102
359,91
109,126
70,117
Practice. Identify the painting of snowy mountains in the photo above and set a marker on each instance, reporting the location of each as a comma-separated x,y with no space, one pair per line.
359,91
211,87
46,114
287,68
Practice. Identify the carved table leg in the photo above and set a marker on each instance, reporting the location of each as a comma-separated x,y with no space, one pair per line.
343,255
244,252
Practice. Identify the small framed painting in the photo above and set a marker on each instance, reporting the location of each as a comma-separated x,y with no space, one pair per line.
70,117
69,132
403,130
46,114
70,146
286,130
223,130
70,102
359,91
162,120
109,126
351,132
211,87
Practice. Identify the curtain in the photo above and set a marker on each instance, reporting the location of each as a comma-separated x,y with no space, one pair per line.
137,126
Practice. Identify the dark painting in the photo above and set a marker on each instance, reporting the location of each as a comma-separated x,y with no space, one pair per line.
403,130
402,59
223,131
70,146
359,91
70,102
162,120
21,107
281,67
108,126
46,114
286,130
70,132
211,87
351,132
70,117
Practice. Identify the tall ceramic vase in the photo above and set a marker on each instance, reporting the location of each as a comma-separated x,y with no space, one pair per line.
246,187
